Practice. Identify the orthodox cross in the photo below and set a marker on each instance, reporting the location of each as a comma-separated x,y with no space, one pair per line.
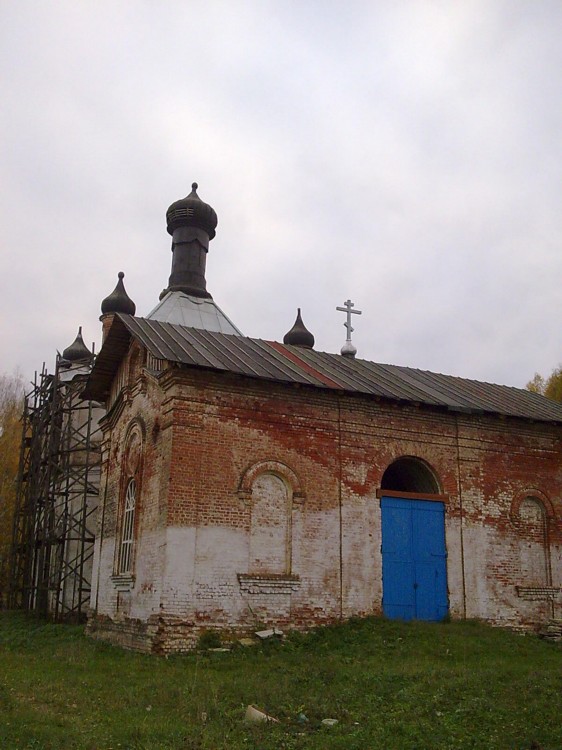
348,347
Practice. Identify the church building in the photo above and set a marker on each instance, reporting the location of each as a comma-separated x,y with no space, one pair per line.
249,483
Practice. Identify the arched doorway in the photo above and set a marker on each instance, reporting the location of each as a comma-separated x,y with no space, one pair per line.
409,474
414,557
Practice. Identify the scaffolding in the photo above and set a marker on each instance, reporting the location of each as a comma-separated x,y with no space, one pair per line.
57,496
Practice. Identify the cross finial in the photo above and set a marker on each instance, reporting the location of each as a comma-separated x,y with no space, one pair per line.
348,349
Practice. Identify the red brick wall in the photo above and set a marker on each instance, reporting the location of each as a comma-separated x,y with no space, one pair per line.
204,432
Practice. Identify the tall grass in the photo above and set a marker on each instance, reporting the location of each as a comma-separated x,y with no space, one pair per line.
389,685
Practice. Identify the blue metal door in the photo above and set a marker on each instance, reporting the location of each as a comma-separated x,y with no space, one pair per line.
414,559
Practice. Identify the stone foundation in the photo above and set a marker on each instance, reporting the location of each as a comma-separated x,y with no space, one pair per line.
552,631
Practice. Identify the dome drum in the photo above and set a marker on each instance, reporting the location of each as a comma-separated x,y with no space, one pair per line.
192,225
184,235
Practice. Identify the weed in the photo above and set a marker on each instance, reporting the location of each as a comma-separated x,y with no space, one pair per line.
209,639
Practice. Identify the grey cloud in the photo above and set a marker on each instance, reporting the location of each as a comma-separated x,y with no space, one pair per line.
406,156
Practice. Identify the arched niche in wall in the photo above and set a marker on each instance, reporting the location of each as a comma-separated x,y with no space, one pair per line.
530,513
136,361
281,470
410,475
270,526
270,489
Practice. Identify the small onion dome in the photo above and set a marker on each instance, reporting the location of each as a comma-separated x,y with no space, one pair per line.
299,335
77,351
118,301
192,212
348,349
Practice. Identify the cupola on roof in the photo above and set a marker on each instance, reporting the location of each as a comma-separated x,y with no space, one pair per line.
118,301
192,212
299,335
77,351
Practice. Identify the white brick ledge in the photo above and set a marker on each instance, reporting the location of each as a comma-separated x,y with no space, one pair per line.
538,593
268,583
123,582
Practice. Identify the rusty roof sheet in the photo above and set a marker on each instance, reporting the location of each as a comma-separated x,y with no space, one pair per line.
268,360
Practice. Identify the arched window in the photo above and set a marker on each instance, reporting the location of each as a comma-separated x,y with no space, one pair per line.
125,562
128,516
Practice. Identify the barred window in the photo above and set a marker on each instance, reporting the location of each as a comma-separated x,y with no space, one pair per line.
128,530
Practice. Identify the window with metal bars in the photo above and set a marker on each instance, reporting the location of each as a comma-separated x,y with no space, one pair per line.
128,530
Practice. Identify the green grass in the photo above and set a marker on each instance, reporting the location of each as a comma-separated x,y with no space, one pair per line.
389,685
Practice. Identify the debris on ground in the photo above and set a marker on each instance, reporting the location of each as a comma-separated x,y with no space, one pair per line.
246,641
256,715
269,633
329,722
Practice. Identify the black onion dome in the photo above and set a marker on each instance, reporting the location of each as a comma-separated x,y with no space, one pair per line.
192,212
78,350
299,335
118,301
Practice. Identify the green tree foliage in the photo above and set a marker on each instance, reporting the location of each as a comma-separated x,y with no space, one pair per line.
550,387
11,404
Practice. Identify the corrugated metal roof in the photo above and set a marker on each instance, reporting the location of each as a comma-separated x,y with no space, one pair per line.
255,358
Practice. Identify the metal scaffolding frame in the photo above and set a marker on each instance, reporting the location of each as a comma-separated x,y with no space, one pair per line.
57,496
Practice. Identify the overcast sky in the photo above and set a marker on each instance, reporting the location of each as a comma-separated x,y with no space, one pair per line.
404,154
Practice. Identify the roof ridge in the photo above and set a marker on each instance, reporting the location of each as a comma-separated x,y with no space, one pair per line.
273,361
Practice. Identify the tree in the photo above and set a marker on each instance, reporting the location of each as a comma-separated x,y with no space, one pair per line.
551,387
11,405
537,384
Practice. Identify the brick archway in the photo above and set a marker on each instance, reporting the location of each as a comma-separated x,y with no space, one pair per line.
411,474
270,467
519,499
